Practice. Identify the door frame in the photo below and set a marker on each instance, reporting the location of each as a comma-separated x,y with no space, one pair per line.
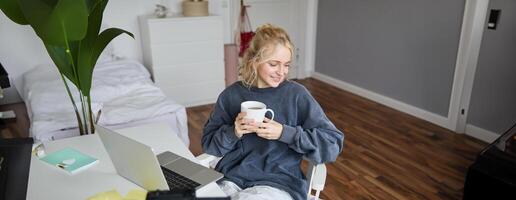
475,14
311,38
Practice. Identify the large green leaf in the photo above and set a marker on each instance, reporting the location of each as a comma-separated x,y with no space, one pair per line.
95,20
91,4
74,50
93,44
62,61
56,21
86,67
103,40
12,10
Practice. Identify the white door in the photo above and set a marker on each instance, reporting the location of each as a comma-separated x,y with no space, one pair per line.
482,98
286,14
491,105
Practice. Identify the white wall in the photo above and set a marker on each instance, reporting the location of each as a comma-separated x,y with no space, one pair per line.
21,49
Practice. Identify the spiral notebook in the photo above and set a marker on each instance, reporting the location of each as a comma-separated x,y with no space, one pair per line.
70,160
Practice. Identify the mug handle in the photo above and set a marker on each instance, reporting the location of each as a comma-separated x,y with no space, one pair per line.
272,112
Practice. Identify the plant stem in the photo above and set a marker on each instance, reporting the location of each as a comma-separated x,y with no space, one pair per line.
84,117
92,123
74,105
84,129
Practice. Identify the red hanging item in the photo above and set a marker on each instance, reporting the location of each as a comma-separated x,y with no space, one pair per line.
246,32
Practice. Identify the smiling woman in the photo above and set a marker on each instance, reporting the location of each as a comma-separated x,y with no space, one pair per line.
261,159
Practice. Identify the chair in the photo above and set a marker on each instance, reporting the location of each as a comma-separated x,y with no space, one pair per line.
315,174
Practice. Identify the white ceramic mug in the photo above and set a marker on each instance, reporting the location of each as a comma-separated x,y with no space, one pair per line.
255,110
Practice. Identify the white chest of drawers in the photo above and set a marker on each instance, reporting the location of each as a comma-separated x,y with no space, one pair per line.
185,56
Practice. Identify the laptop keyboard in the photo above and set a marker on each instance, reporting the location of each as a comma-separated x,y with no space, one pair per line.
176,181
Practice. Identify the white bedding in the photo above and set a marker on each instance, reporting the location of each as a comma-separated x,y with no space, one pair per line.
122,90
175,120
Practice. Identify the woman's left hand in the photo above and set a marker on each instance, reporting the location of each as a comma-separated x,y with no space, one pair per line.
269,129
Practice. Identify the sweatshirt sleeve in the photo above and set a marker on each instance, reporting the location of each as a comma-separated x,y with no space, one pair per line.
314,136
218,136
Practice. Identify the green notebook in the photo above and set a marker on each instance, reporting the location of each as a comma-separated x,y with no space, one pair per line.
70,160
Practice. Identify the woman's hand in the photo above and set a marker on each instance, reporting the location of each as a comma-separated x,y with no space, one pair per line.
244,126
269,129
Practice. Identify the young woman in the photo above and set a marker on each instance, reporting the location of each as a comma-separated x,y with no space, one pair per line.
261,160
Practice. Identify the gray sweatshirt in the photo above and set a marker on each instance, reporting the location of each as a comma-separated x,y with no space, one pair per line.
252,160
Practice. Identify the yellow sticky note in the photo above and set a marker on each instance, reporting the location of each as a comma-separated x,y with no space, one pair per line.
136,194
108,195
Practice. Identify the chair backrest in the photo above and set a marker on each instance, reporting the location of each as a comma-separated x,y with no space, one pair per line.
315,174
316,177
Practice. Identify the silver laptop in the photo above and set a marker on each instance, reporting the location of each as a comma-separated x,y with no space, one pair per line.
167,171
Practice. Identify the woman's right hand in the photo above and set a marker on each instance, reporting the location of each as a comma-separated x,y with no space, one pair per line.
244,126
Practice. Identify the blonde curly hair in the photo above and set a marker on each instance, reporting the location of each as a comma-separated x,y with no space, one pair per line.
260,50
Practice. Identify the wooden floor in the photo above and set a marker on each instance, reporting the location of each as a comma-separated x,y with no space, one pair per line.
17,127
387,154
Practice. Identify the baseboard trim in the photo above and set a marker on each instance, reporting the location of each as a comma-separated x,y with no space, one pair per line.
387,101
481,134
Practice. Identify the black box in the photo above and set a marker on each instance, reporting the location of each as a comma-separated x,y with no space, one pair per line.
493,174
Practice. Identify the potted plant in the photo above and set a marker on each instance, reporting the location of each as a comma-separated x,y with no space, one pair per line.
69,30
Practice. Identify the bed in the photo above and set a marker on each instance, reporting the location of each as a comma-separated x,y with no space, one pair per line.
121,89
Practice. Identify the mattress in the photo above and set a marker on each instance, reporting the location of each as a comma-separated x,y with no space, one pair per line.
122,90
176,121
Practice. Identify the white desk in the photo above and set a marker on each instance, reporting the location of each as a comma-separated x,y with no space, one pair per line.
48,182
